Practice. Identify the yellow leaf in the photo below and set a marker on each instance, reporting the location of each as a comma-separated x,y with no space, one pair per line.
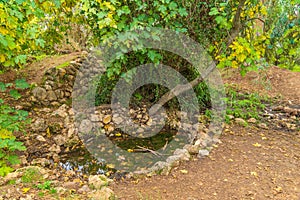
2,58
257,145
184,171
130,150
25,190
118,134
3,30
295,34
110,166
48,132
234,64
254,174
5,134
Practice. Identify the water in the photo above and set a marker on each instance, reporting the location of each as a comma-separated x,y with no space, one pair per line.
82,162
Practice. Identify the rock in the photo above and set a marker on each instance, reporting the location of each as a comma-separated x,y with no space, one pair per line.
140,130
48,87
202,153
41,138
55,148
39,125
84,189
252,120
118,120
263,126
107,119
62,72
41,161
183,154
192,149
71,185
12,176
95,118
103,194
174,160
60,140
290,111
230,117
159,165
61,190
55,158
39,93
28,197
277,108
61,111
86,126
51,96
240,121
71,132
109,128
98,181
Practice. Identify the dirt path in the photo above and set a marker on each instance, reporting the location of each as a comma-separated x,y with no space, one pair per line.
249,164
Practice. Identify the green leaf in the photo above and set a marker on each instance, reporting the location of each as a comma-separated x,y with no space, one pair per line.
57,3
40,42
13,159
15,94
10,42
22,84
182,12
21,59
2,87
19,2
4,170
172,5
213,11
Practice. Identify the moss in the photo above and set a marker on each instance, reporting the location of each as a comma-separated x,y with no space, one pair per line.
63,65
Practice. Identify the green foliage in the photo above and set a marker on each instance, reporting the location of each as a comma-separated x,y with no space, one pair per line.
11,120
31,175
244,106
269,35
8,145
47,185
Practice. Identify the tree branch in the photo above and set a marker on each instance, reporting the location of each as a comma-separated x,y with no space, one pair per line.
236,23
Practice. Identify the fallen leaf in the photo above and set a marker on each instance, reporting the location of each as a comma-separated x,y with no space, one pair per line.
257,145
118,134
278,189
184,171
25,190
48,132
254,174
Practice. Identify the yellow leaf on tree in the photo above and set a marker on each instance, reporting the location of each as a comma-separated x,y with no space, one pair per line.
2,58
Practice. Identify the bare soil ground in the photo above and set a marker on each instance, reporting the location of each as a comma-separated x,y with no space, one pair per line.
35,71
273,82
250,163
